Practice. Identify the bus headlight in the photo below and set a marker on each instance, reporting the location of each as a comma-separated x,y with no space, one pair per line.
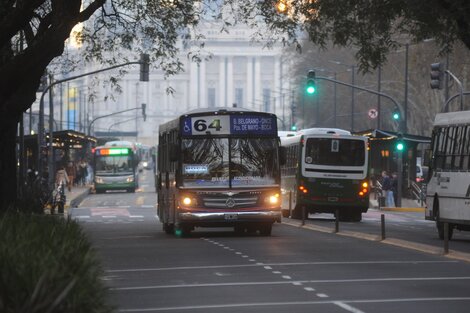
188,201
130,179
98,180
272,199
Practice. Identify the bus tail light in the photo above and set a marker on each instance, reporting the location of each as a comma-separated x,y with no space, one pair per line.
364,189
303,189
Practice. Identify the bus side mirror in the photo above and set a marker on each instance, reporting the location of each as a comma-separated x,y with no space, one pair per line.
173,153
282,155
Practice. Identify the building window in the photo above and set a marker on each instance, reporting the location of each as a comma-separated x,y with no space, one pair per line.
239,97
211,97
266,99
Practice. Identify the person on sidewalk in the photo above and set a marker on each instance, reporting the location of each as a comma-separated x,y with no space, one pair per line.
395,187
71,172
61,177
387,190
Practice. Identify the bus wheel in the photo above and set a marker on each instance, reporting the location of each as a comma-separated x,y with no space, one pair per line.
182,230
132,190
440,230
356,216
265,229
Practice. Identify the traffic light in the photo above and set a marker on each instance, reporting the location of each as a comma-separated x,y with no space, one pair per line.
437,75
144,67
396,114
144,106
400,143
293,127
310,86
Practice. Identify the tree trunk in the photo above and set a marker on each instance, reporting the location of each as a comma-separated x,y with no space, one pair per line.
8,163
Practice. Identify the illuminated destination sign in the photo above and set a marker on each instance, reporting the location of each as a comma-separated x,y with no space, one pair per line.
113,151
229,125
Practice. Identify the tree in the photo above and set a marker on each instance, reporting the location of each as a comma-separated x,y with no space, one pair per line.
33,33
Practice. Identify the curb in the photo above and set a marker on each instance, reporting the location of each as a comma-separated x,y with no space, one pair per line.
75,202
461,256
420,210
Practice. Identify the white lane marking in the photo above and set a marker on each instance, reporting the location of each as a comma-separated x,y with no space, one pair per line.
82,216
238,253
136,216
147,206
286,277
261,304
124,206
322,295
269,267
244,256
309,289
284,282
347,307
108,216
297,283
276,272
252,260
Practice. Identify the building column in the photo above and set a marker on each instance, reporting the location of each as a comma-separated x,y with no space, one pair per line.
277,87
249,83
222,81
202,85
230,86
258,101
193,85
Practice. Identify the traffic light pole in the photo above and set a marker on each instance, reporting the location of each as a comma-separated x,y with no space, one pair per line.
111,114
401,127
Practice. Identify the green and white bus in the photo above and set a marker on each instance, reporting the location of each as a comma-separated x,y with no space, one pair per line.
326,171
448,180
115,167
219,168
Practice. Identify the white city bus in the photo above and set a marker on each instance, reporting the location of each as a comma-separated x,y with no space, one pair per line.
448,188
326,171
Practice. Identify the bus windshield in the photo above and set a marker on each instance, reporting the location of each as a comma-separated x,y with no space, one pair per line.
335,152
112,165
230,162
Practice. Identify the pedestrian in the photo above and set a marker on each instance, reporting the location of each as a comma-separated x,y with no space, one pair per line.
395,187
387,190
83,169
61,177
71,172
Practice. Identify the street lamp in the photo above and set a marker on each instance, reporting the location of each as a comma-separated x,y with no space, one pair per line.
353,80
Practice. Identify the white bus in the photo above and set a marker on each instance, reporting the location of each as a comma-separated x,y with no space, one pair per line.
448,188
326,171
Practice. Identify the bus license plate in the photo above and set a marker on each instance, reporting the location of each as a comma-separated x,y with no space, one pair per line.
333,199
231,217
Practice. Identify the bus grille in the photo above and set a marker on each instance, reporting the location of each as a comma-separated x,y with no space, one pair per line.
230,202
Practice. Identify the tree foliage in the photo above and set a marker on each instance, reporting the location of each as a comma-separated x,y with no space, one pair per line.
34,32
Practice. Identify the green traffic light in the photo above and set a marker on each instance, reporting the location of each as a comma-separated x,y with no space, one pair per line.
400,146
310,90
396,116
293,127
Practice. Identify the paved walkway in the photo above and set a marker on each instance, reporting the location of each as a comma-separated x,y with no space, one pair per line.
407,205
74,197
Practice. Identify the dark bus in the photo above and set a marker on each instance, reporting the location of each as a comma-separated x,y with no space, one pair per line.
219,168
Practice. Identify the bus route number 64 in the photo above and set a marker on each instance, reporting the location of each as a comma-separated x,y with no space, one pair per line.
201,125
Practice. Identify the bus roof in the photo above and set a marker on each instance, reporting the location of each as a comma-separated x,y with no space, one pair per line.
319,132
452,118
324,131
119,143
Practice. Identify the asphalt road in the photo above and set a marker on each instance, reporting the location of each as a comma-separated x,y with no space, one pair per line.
295,270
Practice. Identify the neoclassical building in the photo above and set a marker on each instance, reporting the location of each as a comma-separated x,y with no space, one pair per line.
233,70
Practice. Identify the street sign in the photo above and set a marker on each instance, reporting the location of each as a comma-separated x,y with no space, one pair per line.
373,113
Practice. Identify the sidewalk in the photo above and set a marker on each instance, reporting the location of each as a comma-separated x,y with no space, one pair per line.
74,197
407,205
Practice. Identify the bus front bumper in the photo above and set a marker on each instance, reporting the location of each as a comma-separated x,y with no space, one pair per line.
230,217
